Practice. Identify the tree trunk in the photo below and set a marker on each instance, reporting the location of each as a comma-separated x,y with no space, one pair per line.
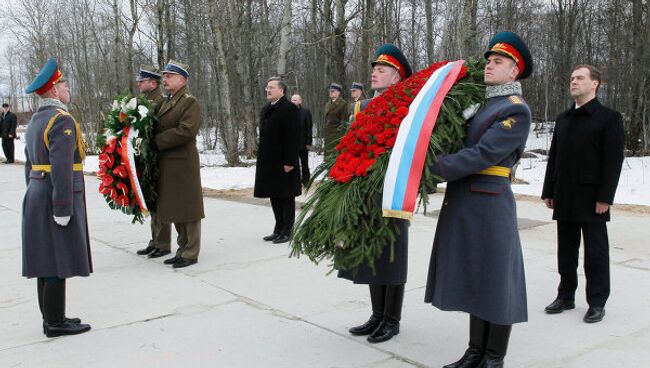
285,34
229,130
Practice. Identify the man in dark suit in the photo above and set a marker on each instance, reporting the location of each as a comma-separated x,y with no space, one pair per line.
305,138
8,132
582,173
276,176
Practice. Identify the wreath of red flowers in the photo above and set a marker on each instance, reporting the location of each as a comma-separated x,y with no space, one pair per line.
374,130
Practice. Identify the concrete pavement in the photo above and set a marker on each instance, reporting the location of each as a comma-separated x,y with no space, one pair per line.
246,304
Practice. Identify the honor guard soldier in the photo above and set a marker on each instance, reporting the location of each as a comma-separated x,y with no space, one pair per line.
476,264
180,196
149,85
356,92
336,118
54,227
387,282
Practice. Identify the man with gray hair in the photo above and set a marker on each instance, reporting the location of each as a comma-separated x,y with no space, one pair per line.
276,176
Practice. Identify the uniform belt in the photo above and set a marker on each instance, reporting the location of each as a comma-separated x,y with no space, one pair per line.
496,171
48,168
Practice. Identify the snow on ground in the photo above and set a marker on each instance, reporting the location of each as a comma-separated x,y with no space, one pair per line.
633,187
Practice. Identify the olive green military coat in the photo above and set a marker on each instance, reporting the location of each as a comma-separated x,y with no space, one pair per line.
180,197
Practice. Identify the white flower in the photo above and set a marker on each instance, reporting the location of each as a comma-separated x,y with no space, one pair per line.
143,111
134,133
137,143
115,106
133,103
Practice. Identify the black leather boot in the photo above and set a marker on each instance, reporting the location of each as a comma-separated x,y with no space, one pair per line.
478,330
497,346
377,299
56,324
389,327
40,286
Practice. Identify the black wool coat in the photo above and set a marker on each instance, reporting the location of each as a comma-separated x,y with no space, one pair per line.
278,146
8,125
584,162
306,127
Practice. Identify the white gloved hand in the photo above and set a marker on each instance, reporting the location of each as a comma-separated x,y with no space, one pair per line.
469,112
62,220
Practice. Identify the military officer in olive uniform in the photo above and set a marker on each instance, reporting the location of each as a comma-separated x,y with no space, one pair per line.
336,117
54,228
180,197
356,92
476,264
387,282
149,85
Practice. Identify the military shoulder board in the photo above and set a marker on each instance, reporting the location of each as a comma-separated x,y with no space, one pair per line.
516,100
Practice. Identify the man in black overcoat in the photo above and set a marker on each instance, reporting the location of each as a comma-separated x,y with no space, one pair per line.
8,132
276,174
582,173
306,138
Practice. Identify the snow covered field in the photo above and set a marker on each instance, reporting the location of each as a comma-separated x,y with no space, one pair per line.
633,188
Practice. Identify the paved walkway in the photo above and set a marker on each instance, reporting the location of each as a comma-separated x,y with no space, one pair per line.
246,304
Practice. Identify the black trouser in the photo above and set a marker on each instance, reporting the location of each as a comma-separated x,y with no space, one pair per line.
284,210
387,301
304,166
51,298
8,148
596,260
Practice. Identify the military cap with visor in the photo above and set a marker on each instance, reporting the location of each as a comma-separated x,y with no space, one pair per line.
509,44
389,54
47,78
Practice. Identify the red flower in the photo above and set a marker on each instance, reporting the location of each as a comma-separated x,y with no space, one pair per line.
108,191
107,180
122,117
374,130
109,147
123,201
106,160
120,172
123,188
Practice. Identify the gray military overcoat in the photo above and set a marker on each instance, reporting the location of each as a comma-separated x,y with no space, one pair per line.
51,250
387,271
476,264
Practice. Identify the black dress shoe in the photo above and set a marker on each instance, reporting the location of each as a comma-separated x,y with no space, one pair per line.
491,361
594,314
65,328
158,253
559,305
172,260
271,237
386,330
281,239
70,320
471,359
367,328
184,262
145,251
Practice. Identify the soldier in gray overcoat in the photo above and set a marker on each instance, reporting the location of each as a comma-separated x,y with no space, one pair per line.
54,227
386,282
476,264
